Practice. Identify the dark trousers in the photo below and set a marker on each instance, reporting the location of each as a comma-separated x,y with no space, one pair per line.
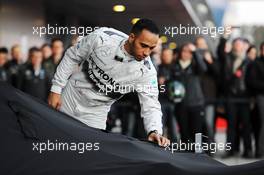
191,121
169,121
238,115
260,103
256,123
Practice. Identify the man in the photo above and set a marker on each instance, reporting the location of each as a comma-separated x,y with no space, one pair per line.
3,60
256,82
238,98
110,59
164,77
208,84
15,65
190,111
46,51
33,78
51,63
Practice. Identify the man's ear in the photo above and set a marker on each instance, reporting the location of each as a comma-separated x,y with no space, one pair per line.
131,37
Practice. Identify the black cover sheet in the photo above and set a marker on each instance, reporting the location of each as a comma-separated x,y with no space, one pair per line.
25,121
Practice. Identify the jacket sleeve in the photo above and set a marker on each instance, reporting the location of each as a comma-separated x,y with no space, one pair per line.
200,65
150,107
71,59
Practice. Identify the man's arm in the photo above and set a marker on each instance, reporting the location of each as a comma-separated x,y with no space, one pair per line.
71,59
150,108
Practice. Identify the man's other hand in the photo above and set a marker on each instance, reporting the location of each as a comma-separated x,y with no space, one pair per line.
162,141
54,100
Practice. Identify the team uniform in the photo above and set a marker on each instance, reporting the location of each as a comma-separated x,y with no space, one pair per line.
99,63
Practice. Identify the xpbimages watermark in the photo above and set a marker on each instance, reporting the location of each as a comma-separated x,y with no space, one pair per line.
79,147
196,30
150,89
62,30
198,146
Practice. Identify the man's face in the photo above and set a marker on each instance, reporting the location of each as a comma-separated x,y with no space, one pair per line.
252,54
46,51
36,58
239,47
186,53
201,43
143,44
57,48
16,53
167,56
3,58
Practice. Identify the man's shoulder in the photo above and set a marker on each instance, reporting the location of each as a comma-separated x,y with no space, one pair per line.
149,65
109,35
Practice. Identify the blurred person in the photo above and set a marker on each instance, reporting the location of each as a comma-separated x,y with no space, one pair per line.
190,112
15,64
209,85
46,51
256,83
108,58
175,54
251,55
3,60
33,78
52,62
167,106
247,44
156,53
238,99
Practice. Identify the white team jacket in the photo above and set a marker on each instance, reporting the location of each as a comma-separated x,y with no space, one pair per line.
102,65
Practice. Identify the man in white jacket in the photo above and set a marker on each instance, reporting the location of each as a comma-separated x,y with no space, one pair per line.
104,66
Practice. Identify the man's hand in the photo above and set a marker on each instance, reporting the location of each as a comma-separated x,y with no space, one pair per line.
54,100
192,47
208,57
162,141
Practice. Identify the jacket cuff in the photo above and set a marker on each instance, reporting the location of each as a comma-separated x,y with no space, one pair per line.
56,89
158,130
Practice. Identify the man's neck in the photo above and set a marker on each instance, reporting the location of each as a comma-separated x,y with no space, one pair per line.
56,58
127,48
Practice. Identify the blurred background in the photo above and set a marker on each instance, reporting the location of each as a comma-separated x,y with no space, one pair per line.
214,85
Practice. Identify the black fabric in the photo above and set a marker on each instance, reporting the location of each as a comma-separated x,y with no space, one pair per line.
24,120
255,77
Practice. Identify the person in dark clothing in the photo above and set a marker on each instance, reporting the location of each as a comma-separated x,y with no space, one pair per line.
3,60
256,83
15,65
190,112
238,98
255,119
167,107
51,63
209,85
33,78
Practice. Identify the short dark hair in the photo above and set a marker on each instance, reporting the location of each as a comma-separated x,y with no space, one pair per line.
238,39
250,48
55,40
32,50
45,45
146,24
3,50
